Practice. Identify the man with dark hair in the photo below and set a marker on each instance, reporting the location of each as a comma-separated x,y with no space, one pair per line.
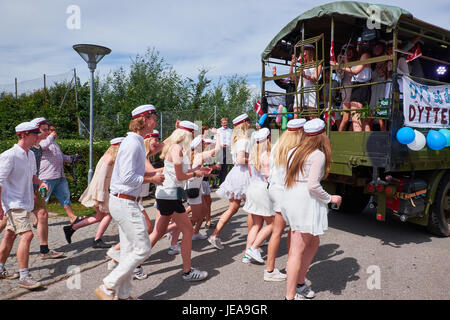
17,176
52,172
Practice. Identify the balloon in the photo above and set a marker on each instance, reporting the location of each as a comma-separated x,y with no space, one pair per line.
262,119
290,116
284,121
405,135
278,118
436,140
419,141
446,133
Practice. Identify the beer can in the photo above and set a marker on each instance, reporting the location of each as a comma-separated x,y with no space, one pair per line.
43,192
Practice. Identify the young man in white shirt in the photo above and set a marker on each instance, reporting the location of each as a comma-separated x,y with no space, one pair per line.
17,175
225,143
128,175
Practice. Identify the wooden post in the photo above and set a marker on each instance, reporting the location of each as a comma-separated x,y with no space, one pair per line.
45,89
15,84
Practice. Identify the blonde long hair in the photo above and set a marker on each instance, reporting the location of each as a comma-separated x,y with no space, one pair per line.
257,151
287,141
239,132
181,137
297,159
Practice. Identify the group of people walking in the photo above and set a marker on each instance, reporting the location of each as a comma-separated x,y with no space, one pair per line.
280,185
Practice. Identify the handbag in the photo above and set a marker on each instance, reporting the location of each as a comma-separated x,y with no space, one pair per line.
181,194
193,192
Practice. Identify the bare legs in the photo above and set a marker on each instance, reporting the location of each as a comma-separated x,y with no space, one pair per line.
301,253
274,243
233,207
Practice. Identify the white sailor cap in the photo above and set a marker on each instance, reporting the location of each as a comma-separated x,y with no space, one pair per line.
27,127
209,141
38,121
196,142
295,124
309,46
154,134
240,119
116,141
262,135
143,110
314,127
187,125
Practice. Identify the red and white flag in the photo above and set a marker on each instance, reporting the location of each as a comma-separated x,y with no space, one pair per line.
414,54
258,109
332,52
325,116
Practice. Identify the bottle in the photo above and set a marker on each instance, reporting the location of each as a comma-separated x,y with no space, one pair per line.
43,192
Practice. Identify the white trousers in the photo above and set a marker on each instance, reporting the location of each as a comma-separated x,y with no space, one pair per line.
134,244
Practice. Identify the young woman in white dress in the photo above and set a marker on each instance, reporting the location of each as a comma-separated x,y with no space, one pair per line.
257,202
308,80
278,160
304,204
235,185
198,157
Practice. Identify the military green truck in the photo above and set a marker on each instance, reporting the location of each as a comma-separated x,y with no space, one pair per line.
372,167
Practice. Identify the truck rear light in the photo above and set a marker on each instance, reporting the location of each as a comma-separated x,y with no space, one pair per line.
380,187
370,188
389,190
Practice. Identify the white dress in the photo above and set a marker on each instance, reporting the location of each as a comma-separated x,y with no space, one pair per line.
309,98
257,197
237,180
276,181
304,205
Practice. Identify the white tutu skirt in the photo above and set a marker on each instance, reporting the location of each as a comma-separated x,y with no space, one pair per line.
235,184
275,195
257,199
302,212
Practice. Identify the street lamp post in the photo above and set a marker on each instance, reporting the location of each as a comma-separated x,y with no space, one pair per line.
92,54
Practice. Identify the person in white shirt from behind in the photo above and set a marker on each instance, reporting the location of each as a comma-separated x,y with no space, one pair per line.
126,181
17,175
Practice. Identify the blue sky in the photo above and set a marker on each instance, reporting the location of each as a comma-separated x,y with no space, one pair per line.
226,37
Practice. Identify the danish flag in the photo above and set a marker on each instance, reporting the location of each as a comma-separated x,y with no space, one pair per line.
258,109
332,52
416,52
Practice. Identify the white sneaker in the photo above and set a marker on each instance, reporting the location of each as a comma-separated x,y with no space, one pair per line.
305,291
195,275
139,274
173,250
246,259
216,243
112,264
275,275
199,236
254,254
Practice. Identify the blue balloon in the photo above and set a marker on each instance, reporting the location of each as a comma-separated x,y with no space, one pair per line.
406,135
262,119
446,133
290,116
436,140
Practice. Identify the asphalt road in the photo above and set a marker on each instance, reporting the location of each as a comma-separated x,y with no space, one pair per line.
358,259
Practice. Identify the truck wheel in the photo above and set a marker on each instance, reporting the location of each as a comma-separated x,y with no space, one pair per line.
439,217
354,200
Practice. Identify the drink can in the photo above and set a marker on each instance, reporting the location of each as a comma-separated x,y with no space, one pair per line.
43,192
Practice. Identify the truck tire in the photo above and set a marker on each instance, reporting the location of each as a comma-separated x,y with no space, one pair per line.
354,200
439,217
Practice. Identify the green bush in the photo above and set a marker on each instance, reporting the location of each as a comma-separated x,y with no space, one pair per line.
69,147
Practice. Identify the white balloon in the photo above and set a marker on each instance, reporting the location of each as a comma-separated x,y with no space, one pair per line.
419,142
